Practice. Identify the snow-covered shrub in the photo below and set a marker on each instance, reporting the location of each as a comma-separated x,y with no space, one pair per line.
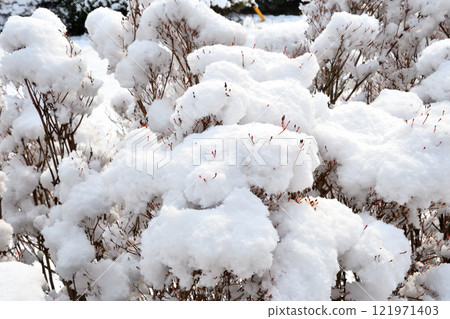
74,13
378,59
234,180
380,259
40,126
111,34
286,37
168,31
184,26
183,229
230,74
434,65
339,49
363,144
406,52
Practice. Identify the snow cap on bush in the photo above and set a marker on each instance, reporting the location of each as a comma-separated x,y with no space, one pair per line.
40,57
145,59
355,31
381,259
286,37
236,235
241,155
71,254
110,33
369,143
207,26
243,85
314,233
434,63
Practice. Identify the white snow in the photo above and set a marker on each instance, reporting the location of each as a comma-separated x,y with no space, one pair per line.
110,34
212,177
381,259
6,233
434,63
144,59
403,105
436,280
3,179
312,238
236,235
21,282
244,85
401,160
354,31
209,27
113,283
37,51
278,34
72,253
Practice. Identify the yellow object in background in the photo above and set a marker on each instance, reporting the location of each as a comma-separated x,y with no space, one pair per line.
259,13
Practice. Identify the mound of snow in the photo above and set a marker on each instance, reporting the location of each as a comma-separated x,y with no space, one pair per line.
402,160
110,33
243,85
208,166
286,37
313,233
236,235
21,282
434,63
206,26
353,31
319,237
381,259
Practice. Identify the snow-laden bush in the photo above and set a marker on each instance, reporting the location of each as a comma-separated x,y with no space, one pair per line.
408,53
434,65
168,31
230,74
286,37
40,126
186,231
234,180
378,52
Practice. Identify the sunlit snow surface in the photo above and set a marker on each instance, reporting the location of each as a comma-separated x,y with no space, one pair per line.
21,282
